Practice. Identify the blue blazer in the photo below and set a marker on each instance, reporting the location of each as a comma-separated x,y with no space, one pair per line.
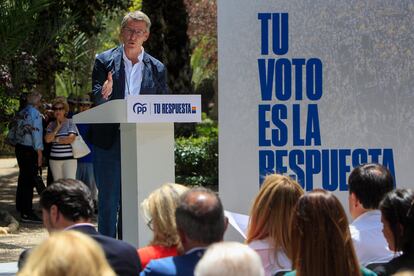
174,266
122,256
154,81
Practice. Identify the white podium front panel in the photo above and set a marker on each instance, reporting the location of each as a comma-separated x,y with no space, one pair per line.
147,152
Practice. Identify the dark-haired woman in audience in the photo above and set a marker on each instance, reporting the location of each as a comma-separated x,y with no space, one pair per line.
270,215
322,243
159,210
397,216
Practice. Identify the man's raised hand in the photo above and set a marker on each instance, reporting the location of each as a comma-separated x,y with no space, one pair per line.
107,86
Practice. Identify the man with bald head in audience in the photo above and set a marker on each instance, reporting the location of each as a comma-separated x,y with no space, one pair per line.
368,184
200,222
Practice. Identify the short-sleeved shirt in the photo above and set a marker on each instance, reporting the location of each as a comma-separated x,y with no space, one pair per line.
62,151
32,128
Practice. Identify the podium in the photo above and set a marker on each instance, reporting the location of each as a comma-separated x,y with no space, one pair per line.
147,148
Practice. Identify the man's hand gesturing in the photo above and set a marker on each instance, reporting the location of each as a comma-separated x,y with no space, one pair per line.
107,86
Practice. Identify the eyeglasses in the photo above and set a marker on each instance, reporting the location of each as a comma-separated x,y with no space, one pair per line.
131,32
149,224
56,108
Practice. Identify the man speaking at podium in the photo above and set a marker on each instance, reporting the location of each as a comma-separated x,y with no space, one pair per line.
117,73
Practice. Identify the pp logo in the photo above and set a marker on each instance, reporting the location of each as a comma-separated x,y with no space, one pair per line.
140,108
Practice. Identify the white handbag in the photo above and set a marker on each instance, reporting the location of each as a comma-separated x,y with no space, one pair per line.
79,147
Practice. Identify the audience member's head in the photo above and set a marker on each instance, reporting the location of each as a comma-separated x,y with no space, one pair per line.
321,243
64,203
368,184
200,218
272,210
67,253
60,102
72,102
230,259
159,209
84,103
397,216
34,98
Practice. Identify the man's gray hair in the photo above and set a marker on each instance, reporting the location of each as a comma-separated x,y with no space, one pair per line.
230,259
34,98
136,16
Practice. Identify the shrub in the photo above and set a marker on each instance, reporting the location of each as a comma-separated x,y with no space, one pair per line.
196,157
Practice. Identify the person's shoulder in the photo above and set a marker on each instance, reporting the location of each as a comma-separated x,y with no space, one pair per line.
367,272
31,110
118,243
105,55
354,232
148,58
160,267
147,250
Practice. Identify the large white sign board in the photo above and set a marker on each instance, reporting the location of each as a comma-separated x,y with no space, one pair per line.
311,89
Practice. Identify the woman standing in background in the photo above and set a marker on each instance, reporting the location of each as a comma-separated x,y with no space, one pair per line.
61,133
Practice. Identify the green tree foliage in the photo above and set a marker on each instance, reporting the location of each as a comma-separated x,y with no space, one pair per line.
40,38
77,54
202,28
19,21
169,41
40,27
136,5
84,17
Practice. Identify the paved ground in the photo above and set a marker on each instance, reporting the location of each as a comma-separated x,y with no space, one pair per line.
28,235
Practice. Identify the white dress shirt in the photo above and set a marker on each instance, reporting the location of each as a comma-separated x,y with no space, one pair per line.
273,260
133,74
370,244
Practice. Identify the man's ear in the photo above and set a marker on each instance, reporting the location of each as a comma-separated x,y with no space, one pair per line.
54,213
182,236
354,200
226,223
146,36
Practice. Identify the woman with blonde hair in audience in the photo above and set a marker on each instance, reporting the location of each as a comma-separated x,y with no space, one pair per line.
159,210
61,133
67,253
322,243
270,215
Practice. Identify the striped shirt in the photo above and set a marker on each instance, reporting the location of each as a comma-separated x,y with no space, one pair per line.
62,151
